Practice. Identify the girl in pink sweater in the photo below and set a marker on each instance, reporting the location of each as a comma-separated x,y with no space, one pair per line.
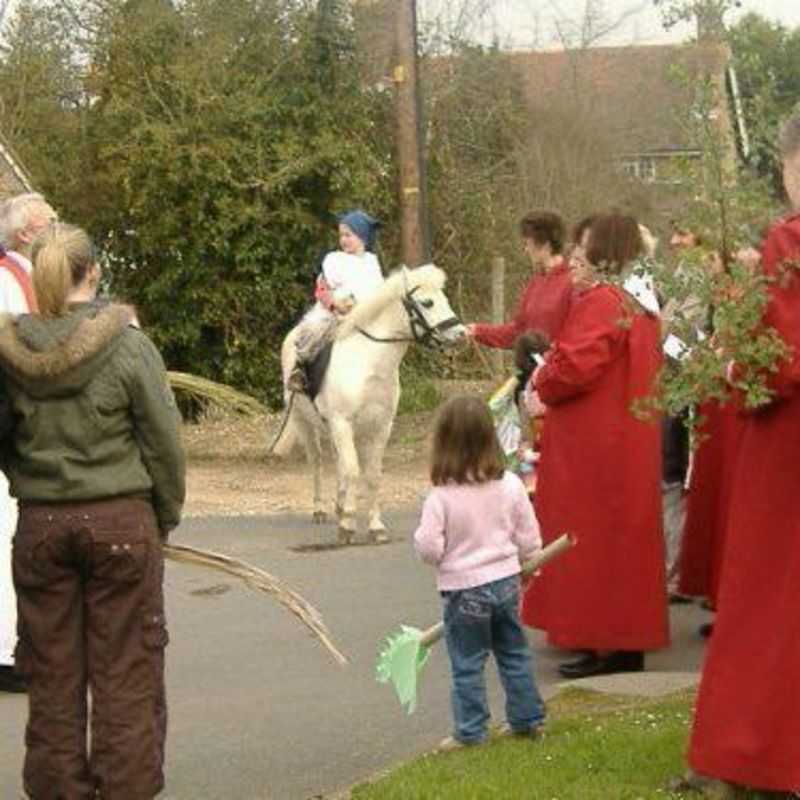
477,525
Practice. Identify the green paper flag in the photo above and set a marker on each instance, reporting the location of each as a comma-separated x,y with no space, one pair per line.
401,661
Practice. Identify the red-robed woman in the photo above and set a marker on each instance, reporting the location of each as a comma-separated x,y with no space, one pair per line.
708,504
546,300
600,473
747,717
710,479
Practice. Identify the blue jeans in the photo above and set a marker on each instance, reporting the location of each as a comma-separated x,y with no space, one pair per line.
479,621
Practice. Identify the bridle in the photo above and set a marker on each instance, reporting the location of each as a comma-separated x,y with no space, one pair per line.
422,332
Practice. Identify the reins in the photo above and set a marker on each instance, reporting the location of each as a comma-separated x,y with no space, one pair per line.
388,340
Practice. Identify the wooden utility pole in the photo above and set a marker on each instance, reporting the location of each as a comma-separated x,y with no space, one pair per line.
415,247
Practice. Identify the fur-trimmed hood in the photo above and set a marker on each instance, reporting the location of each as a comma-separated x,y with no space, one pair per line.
59,356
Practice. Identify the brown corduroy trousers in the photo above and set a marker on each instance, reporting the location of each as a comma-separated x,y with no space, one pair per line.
89,581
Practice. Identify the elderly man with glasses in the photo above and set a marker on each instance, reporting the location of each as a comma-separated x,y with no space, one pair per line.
22,219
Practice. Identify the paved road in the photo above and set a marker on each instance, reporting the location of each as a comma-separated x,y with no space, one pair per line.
258,710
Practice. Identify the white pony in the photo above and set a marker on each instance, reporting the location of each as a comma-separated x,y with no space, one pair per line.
359,395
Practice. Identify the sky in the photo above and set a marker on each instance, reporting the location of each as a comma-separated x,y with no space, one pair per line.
545,24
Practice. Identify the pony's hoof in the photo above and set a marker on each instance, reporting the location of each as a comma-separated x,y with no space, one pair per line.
379,536
319,517
344,536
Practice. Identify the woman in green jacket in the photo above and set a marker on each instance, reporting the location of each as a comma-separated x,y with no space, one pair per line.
96,463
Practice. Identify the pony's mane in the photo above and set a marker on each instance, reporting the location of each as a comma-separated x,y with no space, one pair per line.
428,277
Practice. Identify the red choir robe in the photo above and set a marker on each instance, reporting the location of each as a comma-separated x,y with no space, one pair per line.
747,719
708,504
544,306
600,480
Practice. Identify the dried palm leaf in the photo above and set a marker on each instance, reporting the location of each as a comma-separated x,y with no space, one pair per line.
261,581
217,394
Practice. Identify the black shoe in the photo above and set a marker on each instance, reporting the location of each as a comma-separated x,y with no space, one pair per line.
618,661
706,629
11,681
691,782
677,599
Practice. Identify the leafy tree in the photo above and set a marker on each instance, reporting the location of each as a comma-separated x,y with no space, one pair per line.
42,99
729,208
216,141
766,57
708,14
494,155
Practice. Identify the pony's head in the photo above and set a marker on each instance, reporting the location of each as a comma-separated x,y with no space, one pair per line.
429,311
431,319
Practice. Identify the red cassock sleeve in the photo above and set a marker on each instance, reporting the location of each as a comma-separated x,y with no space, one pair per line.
781,262
544,307
503,336
590,340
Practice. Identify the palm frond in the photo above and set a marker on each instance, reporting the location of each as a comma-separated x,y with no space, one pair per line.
260,580
217,394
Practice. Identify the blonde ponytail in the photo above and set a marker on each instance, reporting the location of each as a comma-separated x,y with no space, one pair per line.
61,255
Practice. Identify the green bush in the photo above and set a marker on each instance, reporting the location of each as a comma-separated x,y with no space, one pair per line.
418,392
210,146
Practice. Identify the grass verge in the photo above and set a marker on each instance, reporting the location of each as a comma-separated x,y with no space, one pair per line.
595,748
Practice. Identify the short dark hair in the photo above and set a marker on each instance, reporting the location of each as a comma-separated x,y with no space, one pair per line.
544,227
465,445
615,240
528,344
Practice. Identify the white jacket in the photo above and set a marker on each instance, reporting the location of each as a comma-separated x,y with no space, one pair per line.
350,275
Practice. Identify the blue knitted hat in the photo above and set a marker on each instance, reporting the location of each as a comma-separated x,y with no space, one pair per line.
362,224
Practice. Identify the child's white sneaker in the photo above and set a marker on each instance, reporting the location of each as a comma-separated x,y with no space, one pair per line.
450,743
531,733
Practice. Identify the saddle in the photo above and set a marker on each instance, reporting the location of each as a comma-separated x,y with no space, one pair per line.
316,369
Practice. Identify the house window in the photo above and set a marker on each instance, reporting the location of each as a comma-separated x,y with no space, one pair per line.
647,169
642,168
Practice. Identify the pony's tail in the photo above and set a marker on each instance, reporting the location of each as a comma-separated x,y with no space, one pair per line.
286,437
